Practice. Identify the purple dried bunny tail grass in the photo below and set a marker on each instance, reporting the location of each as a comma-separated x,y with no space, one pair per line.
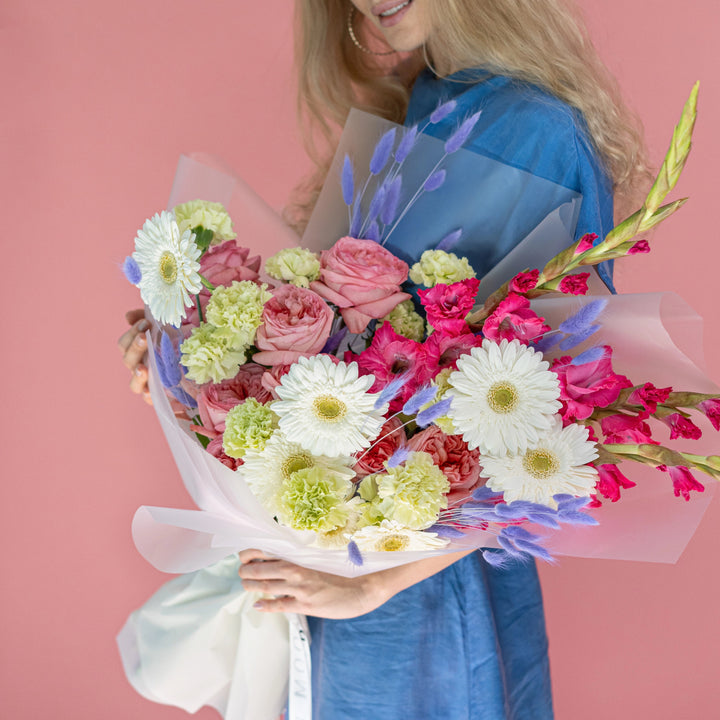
354,554
131,270
406,144
421,397
347,181
574,340
450,240
392,198
435,181
398,457
442,111
590,355
382,152
429,415
584,317
458,138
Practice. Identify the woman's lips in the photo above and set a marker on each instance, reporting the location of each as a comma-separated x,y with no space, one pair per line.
396,10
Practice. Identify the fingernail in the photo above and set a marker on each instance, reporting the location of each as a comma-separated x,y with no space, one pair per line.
143,325
140,341
139,370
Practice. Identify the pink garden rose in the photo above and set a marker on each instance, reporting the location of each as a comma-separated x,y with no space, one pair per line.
626,429
222,265
216,400
450,453
447,306
587,386
514,320
215,448
390,356
391,438
610,481
363,279
296,323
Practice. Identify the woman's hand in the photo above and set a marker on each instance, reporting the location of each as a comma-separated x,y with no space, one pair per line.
133,347
310,592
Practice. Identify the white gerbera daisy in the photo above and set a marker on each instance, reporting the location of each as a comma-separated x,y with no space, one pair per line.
503,397
391,536
167,259
556,463
266,470
327,408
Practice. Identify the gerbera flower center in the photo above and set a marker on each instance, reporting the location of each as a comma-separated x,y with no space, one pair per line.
393,543
168,267
502,397
328,408
540,463
293,463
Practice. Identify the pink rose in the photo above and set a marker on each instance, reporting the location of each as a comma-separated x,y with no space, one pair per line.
626,430
610,481
221,265
524,282
681,427
216,400
296,323
649,396
447,306
363,279
390,439
215,448
587,386
585,243
390,356
271,378
450,453
513,319
574,284
444,350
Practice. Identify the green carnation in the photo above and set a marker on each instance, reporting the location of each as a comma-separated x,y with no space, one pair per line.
210,215
315,499
211,353
295,265
248,426
438,266
406,322
413,493
238,308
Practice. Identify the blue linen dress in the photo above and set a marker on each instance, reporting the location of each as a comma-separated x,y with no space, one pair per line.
468,643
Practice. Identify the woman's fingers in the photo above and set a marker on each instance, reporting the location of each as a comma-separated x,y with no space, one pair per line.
247,556
139,379
132,316
284,603
137,347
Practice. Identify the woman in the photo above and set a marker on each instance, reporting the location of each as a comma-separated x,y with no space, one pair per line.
448,637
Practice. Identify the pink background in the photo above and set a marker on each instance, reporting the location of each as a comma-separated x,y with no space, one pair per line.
98,100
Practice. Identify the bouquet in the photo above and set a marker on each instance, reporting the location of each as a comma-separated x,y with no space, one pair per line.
350,411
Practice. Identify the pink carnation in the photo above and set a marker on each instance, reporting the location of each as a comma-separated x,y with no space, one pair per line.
450,453
574,284
514,320
444,350
649,396
363,279
682,427
586,242
610,482
626,430
216,400
389,356
215,448
447,306
683,480
711,408
222,265
524,282
296,323
587,386
390,439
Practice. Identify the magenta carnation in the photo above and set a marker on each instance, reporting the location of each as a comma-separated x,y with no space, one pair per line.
447,306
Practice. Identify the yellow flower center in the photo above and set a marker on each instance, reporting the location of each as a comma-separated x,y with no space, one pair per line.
393,543
502,397
328,408
540,463
301,461
168,267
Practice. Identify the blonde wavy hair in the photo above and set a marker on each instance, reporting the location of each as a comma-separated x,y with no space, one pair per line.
543,42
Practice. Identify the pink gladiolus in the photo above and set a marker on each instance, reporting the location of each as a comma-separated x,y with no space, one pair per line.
524,282
587,386
682,427
711,408
626,429
296,323
444,350
389,356
363,279
649,396
514,320
451,454
641,246
610,482
683,480
574,284
586,242
447,306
